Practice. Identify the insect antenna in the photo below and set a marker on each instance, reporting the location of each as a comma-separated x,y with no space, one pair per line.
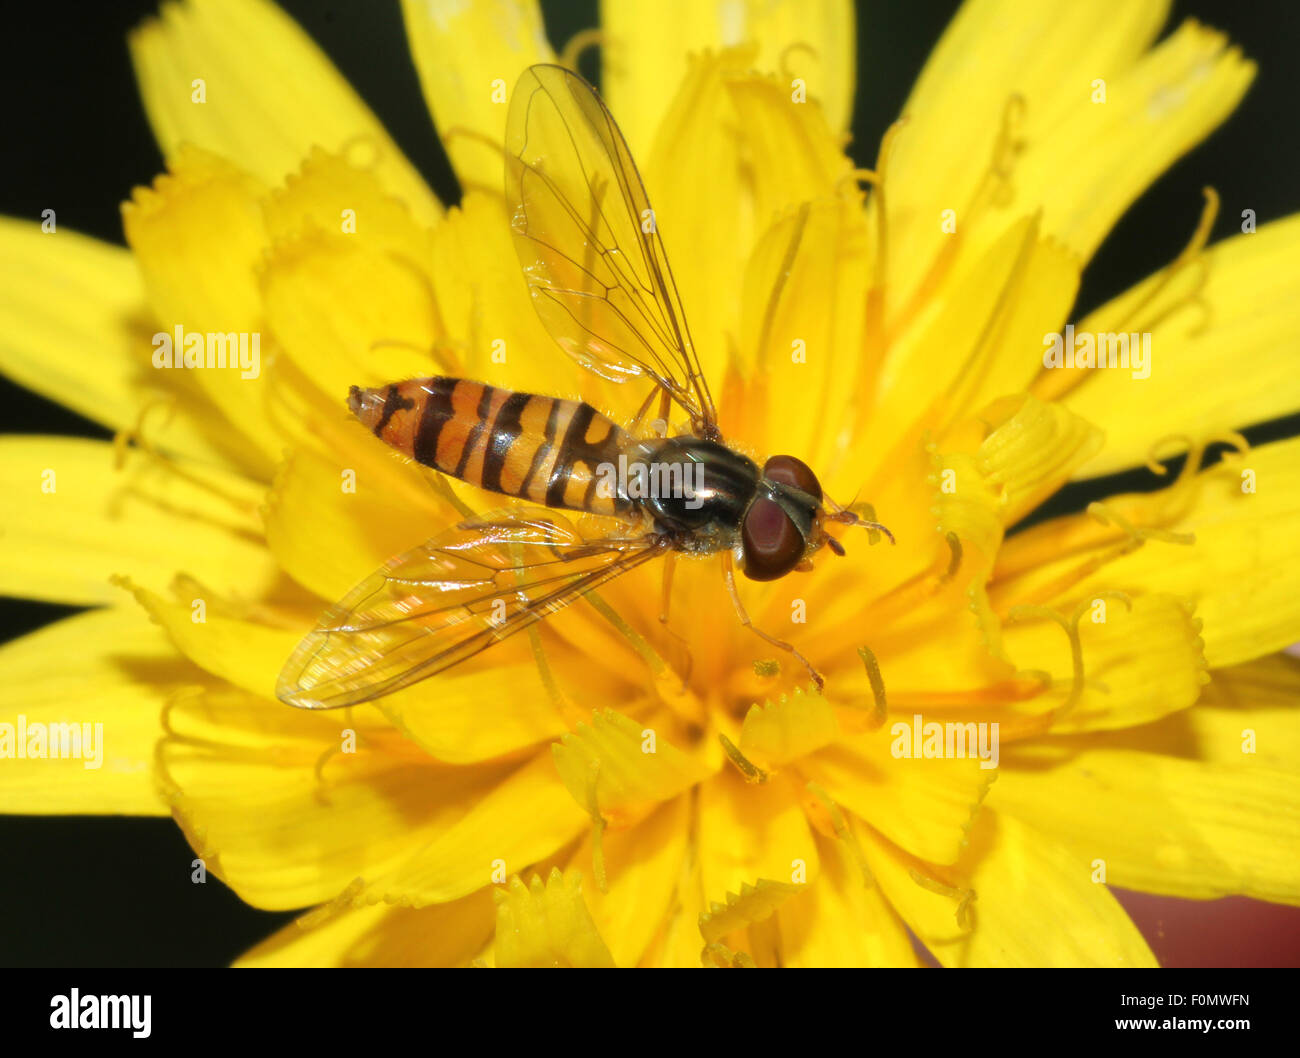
846,516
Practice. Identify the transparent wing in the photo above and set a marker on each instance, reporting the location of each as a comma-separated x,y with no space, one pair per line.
589,244
449,599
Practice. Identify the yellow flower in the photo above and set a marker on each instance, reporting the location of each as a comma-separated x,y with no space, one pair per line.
887,327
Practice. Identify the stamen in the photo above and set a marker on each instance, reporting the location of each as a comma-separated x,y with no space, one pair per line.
973,371
1053,385
570,713
1005,149
719,955
994,189
798,45
598,825
1189,253
460,132
843,832
321,791
183,696
577,44
658,666
880,707
782,276
920,586
1138,535
767,667
869,515
875,308
1070,626
123,439
965,897
751,771
967,826
954,559
1196,449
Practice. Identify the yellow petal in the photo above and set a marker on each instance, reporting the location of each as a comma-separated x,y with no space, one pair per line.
1266,688
1028,453
748,831
642,865
1138,664
444,935
524,818
1240,306
48,350
750,905
1154,113
248,654
776,733
270,94
707,226
796,155
1035,903
804,289
289,807
1240,572
465,716
329,301
946,157
630,767
198,236
924,805
843,919
981,341
333,518
108,669
547,924
1210,798
467,88
76,521
493,331
645,46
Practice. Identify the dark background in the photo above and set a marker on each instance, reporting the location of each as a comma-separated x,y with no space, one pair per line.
115,892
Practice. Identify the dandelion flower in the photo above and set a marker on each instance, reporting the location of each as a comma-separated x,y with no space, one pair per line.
579,797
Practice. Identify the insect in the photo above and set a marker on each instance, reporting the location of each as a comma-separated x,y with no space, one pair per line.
602,285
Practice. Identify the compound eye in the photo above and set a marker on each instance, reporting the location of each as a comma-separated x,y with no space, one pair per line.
786,470
772,543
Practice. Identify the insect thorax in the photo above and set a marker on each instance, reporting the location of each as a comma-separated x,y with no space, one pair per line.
687,485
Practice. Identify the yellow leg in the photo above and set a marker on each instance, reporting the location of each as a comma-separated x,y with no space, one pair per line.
728,575
670,564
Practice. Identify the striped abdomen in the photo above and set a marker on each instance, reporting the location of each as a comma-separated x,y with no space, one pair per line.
537,448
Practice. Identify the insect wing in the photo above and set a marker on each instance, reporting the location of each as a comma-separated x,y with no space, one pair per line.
588,242
448,600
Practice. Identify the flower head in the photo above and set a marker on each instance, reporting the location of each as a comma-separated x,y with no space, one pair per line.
610,788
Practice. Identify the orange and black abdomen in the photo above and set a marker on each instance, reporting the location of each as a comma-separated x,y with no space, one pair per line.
541,449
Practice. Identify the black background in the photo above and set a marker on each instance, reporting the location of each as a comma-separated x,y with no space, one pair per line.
115,892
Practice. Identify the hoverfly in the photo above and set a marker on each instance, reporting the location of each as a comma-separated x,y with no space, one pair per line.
602,285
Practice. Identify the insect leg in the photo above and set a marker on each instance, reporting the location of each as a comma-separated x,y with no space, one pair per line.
670,564
665,405
729,576
645,407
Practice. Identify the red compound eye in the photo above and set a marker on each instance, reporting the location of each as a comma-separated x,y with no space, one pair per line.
786,470
772,543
